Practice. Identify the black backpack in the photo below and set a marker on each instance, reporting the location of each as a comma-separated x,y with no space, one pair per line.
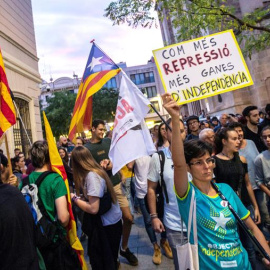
45,229
161,187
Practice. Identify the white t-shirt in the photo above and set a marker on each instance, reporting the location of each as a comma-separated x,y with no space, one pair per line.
171,219
96,186
141,171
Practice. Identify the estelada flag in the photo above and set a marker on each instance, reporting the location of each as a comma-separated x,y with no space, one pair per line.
58,167
7,110
99,69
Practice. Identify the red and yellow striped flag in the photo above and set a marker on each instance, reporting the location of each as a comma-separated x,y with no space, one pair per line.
58,167
99,69
7,110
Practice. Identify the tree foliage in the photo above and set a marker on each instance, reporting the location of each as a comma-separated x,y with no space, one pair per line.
104,104
59,111
194,18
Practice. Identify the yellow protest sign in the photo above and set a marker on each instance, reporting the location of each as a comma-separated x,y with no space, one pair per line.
202,67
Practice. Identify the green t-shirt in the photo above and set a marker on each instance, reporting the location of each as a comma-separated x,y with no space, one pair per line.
99,152
51,188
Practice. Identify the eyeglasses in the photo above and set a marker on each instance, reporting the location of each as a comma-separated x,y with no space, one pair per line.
200,163
192,123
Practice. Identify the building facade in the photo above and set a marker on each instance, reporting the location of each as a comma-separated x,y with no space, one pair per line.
18,45
235,101
144,76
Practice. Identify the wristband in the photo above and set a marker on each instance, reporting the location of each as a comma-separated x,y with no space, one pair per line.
75,198
153,216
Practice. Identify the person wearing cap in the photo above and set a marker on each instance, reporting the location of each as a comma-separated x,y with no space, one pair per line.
193,125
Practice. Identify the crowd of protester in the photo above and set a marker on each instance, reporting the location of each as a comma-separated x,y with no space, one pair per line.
232,151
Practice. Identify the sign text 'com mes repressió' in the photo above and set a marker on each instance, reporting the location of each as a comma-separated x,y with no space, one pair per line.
202,67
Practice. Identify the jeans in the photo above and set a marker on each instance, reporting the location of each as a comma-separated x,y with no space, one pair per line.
147,222
261,199
246,241
175,238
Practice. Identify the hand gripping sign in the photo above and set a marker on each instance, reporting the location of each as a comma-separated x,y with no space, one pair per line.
202,67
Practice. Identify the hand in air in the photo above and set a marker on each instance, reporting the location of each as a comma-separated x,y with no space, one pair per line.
170,105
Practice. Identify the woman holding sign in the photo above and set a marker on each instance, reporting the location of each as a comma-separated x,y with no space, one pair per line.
218,240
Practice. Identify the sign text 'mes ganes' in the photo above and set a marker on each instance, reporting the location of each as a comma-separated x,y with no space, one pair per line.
202,67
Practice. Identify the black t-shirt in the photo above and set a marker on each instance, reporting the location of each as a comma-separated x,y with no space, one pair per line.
255,137
232,172
99,152
17,248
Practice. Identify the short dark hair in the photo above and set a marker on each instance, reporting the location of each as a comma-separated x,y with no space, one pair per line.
97,122
80,138
236,125
17,149
248,109
3,160
267,108
39,154
195,149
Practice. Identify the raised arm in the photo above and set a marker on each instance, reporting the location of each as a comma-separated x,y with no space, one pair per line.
180,167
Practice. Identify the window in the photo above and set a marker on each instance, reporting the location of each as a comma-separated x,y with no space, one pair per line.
142,78
71,91
22,126
47,97
155,104
151,91
110,84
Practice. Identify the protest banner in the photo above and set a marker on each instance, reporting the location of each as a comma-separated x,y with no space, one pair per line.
202,67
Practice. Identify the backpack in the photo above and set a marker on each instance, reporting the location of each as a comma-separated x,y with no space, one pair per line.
45,229
161,187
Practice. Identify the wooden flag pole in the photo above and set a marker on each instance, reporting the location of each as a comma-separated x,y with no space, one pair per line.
8,155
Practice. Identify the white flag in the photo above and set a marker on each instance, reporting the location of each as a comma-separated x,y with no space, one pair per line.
131,138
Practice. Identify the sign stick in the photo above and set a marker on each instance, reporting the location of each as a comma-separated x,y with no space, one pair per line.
162,119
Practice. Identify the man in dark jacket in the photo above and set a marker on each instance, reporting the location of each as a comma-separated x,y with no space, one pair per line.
17,249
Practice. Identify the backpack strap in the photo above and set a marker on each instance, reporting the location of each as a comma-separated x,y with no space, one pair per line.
42,177
25,181
40,203
163,185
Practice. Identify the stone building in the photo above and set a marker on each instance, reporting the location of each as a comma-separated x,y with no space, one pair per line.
232,102
18,45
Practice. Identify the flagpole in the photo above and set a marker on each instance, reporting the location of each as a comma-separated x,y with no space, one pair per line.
163,120
8,155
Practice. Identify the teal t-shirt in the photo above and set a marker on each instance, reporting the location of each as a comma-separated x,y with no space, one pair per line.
218,240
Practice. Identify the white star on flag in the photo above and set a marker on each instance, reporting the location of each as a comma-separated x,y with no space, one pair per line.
94,62
221,221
